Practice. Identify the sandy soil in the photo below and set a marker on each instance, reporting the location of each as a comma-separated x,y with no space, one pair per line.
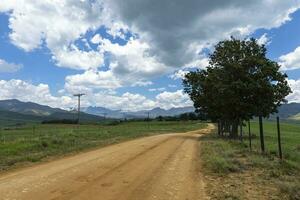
158,167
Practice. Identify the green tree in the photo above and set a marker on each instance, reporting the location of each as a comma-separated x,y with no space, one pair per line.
240,83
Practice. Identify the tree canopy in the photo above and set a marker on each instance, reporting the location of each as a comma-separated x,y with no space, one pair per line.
240,83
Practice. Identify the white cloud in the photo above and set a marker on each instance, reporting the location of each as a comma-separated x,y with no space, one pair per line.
130,66
40,93
180,74
291,60
176,99
172,86
295,95
6,67
78,59
57,24
125,102
142,83
157,89
91,80
137,102
264,39
165,37
97,39
134,59
163,41
170,33
24,91
118,29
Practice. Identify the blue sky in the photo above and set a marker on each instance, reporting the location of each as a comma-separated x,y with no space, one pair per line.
123,59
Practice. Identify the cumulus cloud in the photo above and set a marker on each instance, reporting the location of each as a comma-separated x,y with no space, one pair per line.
137,102
40,93
164,38
295,95
133,59
291,60
91,80
264,39
57,24
157,89
24,91
176,99
180,74
78,59
6,67
173,34
158,38
96,39
125,102
130,66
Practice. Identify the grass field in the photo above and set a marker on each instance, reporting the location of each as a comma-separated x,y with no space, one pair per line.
33,143
246,174
290,140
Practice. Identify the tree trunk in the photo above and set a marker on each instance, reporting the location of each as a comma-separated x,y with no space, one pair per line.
234,130
241,130
222,128
219,128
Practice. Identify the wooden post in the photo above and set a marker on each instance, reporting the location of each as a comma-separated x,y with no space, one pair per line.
250,144
279,139
261,134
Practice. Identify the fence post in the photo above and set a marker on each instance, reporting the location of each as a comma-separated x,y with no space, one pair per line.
261,134
279,139
250,144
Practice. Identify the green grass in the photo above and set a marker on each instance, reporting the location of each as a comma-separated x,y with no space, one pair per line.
231,164
33,143
290,140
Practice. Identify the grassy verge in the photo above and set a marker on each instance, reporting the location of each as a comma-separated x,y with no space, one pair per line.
233,172
25,145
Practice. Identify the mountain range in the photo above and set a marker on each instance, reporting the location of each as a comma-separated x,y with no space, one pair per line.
118,114
13,111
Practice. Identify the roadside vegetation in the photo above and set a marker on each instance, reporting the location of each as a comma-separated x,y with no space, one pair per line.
234,172
241,84
32,143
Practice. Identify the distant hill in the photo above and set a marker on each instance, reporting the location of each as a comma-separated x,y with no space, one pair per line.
14,118
100,111
289,111
15,105
84,117
17,112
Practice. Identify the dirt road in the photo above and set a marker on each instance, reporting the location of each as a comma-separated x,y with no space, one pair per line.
157,167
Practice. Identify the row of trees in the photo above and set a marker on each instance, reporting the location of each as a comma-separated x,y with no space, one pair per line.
183,117
239,84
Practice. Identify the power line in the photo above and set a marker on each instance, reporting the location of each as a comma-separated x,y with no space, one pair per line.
79,96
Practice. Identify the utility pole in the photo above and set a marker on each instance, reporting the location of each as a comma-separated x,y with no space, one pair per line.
78,95
104,115
148,119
